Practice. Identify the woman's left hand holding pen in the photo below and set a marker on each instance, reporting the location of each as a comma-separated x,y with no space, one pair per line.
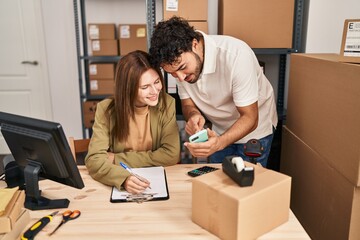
134,185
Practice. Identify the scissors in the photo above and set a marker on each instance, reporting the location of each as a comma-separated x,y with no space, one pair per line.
67,216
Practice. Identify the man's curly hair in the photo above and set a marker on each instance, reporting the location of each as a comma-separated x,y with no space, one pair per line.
170,39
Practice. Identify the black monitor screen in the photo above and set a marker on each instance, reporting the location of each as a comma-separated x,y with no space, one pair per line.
40,148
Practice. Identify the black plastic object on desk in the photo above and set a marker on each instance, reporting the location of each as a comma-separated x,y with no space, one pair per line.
244,178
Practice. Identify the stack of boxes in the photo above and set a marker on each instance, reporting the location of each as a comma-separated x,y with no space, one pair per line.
321,145
195,12
14,218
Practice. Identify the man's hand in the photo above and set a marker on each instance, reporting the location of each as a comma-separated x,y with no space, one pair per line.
194,124
205,149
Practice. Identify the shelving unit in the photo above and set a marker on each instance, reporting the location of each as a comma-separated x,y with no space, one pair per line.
82,50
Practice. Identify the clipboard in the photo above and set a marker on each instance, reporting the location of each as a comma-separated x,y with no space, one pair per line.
158,183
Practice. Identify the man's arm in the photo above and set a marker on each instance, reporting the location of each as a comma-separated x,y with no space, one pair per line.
246,123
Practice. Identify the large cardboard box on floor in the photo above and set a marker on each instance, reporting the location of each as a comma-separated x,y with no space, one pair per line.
200,25
261,24
188,9
132,37
229,211
323,200
324,109
350,45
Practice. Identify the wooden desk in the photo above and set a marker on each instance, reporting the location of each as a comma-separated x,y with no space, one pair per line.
170,219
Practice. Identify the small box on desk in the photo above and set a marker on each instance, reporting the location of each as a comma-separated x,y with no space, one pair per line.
12,212
229,211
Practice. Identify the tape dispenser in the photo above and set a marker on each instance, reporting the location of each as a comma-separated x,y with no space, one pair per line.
235,168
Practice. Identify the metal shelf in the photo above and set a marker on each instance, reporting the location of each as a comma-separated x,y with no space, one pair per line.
82,49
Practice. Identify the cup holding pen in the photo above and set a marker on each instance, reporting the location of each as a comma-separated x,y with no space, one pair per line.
134,174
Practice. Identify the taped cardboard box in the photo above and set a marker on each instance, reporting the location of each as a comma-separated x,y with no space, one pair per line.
132,37
101,31
194,10
101,71
261,24
323,109
326,204
12,212
104,47
102,87
350,45
229,211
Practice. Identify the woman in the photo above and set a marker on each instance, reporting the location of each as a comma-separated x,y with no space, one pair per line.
137,126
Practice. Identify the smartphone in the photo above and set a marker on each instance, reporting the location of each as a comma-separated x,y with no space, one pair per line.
200,136
201,170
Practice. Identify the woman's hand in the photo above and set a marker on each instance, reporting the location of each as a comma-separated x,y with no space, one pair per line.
134,185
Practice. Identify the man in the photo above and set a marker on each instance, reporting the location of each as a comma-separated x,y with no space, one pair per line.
219,79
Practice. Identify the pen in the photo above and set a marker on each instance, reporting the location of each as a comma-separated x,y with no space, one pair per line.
132,173
36,227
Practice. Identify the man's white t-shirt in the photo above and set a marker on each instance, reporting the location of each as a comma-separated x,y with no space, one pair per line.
231,76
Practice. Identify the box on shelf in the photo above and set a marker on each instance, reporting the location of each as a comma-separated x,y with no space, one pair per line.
229,211
12,211
200,25
132,37
190,10
261,24
350,45
104,47
101,31
101,71
323,200
89,109
102,87
323,109
19,227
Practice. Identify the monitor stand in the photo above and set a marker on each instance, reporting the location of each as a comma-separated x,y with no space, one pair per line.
33,199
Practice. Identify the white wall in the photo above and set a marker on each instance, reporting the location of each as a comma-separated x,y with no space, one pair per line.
324,31
326,22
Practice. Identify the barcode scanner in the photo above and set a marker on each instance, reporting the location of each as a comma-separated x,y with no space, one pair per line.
253,149
14,176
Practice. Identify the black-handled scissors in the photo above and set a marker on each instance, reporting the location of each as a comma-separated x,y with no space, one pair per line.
67,215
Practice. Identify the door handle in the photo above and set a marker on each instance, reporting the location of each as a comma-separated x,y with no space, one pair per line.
30,62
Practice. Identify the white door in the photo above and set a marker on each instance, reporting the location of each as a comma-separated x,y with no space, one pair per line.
24,87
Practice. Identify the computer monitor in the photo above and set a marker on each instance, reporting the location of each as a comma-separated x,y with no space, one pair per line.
41,150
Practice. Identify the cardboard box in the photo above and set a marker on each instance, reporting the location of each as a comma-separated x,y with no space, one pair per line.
350,45
101,31
190,10
102,87
229,211
104,47
12,212
89,109
200,25
324,201
261,24
19,227
324,109
101,71
132,37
